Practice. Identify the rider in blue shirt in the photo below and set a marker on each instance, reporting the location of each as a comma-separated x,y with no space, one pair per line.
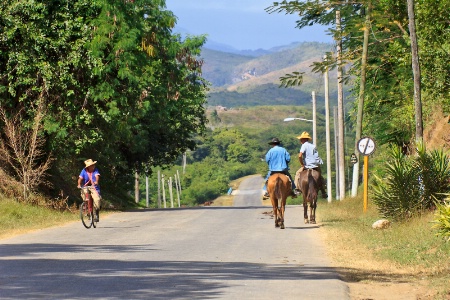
278,160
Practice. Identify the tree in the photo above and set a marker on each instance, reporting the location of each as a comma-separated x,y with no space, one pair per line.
23,149
416,71
119,85
362,91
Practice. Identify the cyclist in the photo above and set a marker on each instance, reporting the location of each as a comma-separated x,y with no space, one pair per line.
89,177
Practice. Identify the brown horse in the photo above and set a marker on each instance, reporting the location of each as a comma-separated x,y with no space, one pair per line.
279,188
308,183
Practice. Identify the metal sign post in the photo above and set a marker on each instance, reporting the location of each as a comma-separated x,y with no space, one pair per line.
366,146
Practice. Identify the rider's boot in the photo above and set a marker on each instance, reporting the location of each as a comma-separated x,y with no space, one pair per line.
293,194
266,193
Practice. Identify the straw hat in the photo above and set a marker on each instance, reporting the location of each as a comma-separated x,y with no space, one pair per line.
304,135
274,141
89,162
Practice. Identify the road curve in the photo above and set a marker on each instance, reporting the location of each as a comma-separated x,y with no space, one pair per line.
191,253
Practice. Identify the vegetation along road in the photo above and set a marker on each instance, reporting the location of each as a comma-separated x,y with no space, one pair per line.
195,253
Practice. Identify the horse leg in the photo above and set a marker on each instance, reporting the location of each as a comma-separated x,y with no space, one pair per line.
282,215
275,214
313,213
305,211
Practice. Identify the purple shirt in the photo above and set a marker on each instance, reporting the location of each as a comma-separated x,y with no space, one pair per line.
86,180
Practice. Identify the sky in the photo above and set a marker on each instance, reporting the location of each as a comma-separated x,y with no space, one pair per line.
242,24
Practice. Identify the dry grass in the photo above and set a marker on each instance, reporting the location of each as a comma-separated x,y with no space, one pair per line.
406,261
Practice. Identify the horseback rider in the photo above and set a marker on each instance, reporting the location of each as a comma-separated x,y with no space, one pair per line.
278,160
309,158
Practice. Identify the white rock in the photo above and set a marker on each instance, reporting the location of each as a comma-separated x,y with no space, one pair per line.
381,224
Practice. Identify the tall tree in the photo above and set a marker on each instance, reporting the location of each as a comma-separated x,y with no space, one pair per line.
416,71
362,91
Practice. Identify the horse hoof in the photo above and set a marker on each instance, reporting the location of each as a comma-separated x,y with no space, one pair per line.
313,222
282,226
306,221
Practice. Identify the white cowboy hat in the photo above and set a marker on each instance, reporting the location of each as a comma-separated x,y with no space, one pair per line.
89,162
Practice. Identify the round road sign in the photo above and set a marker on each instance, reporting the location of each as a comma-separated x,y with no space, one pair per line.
366,146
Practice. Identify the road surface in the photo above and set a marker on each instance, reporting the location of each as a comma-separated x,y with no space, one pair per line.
187,253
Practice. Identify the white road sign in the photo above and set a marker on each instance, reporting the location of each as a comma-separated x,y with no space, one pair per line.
366,146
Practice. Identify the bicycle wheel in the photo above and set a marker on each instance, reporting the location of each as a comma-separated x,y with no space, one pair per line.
85,215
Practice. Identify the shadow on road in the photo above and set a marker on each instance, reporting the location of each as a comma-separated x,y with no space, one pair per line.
135,279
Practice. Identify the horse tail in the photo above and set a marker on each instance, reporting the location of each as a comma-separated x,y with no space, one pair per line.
312,188
278,185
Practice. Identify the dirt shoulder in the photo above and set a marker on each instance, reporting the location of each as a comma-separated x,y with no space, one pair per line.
366,277
369,278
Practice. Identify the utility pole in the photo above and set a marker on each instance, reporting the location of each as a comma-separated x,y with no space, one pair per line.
327,129
340,144
171,192
313,94
136,186
336,150
146,189
159,188
163,191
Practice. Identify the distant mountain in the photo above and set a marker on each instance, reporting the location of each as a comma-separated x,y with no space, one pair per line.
247,80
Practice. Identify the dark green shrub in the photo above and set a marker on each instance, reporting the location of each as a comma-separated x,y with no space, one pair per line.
442,221
411,183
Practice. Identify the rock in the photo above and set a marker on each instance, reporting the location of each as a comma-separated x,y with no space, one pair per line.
381,224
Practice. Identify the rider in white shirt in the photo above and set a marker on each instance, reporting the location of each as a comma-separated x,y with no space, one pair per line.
309,158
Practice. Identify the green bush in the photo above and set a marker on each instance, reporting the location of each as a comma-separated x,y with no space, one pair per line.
204,191
443,219
411,184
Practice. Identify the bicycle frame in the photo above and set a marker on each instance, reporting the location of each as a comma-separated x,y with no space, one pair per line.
87,209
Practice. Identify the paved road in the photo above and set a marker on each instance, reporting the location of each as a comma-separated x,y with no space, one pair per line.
197,253
248,195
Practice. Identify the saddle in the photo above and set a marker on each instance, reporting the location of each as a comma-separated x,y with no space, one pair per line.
280,172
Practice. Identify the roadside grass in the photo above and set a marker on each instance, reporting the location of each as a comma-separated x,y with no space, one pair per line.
17,218
407,250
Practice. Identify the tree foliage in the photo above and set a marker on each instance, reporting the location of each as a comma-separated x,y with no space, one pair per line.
118,85
389,108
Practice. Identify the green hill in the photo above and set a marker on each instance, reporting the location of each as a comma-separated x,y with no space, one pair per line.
240,80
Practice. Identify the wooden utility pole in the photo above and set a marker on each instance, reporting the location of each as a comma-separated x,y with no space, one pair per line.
177,189
171,191
159,188
327,129
146,190
341,138
163,191
313,94
179,181
136,186
362,89
336,150
416,72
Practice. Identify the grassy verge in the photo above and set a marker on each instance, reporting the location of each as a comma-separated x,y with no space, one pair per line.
17,218
405,252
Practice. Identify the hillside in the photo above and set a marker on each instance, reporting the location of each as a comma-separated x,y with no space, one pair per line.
242,80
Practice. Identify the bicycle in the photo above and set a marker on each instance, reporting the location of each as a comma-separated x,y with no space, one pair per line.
87,209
